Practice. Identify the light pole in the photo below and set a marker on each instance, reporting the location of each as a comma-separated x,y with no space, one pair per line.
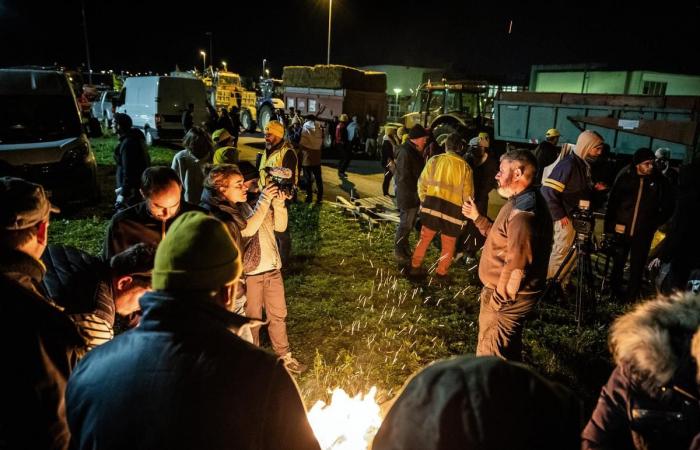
330,14
204,61
264,62
267,73
87,46
223,63
397,91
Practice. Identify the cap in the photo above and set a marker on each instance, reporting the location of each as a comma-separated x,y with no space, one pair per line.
220,135
417,132
552,132
23,204
641,155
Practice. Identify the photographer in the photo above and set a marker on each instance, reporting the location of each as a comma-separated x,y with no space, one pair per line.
513,262
640,201
569,183
279,153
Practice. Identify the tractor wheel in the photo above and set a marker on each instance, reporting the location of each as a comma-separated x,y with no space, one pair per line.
442,131
265,115
247,121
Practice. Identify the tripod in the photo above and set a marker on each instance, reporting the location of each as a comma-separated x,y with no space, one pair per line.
582,247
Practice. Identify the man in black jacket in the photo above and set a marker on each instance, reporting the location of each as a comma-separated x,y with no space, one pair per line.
131,157
184,379
409,165
546,152
147,221
39,343
640,201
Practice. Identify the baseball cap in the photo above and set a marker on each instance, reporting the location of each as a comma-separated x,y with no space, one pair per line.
23,204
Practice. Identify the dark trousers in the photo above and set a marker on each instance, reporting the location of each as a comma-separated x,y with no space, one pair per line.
345,151
501,326
638,250
311,173
284,244
388,175
402,248
470,240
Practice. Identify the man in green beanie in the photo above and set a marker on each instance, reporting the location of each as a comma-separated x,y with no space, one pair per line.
184,378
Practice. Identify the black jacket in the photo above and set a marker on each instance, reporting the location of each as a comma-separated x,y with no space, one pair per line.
409,165
131,157
183,380
569,183
641,204
545,153
484,181
481,403
134,225
40,345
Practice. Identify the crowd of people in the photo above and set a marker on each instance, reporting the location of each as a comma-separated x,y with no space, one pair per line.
156,343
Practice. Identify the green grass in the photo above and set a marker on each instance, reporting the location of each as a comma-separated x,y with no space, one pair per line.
357,323
104,152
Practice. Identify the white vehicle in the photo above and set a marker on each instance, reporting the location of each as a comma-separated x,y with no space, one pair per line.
156,104
102,107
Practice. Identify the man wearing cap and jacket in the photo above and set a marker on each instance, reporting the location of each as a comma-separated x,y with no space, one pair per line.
224,152
39,343
568,184
409,165
640,201
184,379
546,152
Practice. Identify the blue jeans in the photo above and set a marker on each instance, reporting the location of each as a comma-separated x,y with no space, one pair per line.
402,248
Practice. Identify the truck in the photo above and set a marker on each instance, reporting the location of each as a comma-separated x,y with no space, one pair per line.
626,122
225,89
331,90
451,106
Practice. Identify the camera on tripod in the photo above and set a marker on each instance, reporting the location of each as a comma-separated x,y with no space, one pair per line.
282,178
582,220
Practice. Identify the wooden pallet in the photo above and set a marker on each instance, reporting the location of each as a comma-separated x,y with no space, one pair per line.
373,210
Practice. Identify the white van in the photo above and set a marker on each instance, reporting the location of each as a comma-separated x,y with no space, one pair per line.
156,104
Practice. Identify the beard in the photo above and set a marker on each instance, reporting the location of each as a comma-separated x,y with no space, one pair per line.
504,187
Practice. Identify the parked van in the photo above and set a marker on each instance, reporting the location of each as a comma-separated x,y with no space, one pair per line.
156,104
41,135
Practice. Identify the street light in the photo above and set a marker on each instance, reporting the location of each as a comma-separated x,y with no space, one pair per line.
397,91
264,62
330,14
223,63
204,60
267,73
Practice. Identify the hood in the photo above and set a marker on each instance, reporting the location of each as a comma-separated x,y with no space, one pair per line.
652,339
585,142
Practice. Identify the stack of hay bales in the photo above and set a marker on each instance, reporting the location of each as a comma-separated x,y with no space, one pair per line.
334,77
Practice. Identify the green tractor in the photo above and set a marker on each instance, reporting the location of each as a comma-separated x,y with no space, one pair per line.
451,106
267,106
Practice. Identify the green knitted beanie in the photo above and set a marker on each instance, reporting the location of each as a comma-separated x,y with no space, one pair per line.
196,254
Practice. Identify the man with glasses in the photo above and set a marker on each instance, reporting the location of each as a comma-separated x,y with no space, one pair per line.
640,201
568,184
147,221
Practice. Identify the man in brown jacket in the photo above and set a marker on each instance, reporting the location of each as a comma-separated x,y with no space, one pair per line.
513,266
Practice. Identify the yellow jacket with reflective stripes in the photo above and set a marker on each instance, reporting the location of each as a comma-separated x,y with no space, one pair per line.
277,159
448,177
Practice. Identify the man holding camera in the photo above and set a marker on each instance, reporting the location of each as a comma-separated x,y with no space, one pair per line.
568,184
513,262
278,153
640,201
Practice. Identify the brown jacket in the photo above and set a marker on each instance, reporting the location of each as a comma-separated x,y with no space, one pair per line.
516,253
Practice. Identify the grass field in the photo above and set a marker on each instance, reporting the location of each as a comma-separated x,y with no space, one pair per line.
356,323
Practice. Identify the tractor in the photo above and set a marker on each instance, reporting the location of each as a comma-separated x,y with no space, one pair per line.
267,106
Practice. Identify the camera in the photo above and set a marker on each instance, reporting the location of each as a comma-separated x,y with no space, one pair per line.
582,219
282,178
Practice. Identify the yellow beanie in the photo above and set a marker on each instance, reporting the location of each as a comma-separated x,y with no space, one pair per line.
275,128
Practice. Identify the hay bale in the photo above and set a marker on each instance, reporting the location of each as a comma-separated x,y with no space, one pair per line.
334,77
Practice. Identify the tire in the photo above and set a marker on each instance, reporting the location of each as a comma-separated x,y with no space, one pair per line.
442,131
265,115
247,121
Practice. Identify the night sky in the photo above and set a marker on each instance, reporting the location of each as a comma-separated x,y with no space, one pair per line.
464,36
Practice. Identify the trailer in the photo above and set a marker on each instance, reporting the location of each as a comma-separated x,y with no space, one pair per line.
626,122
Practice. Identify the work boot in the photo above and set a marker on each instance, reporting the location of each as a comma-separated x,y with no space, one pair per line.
291,364
417,273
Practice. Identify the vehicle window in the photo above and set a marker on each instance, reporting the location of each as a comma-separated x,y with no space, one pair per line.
454,101
437,100
20,123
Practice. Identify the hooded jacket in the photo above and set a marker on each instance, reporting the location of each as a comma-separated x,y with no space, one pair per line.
651,400
183,379
481,403
310,144
444,185
131,157
570,180
409,165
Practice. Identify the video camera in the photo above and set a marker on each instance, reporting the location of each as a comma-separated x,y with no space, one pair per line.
282,178
582,219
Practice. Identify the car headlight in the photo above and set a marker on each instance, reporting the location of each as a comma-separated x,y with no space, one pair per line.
77,153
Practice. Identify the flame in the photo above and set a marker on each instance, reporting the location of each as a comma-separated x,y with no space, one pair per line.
347,423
